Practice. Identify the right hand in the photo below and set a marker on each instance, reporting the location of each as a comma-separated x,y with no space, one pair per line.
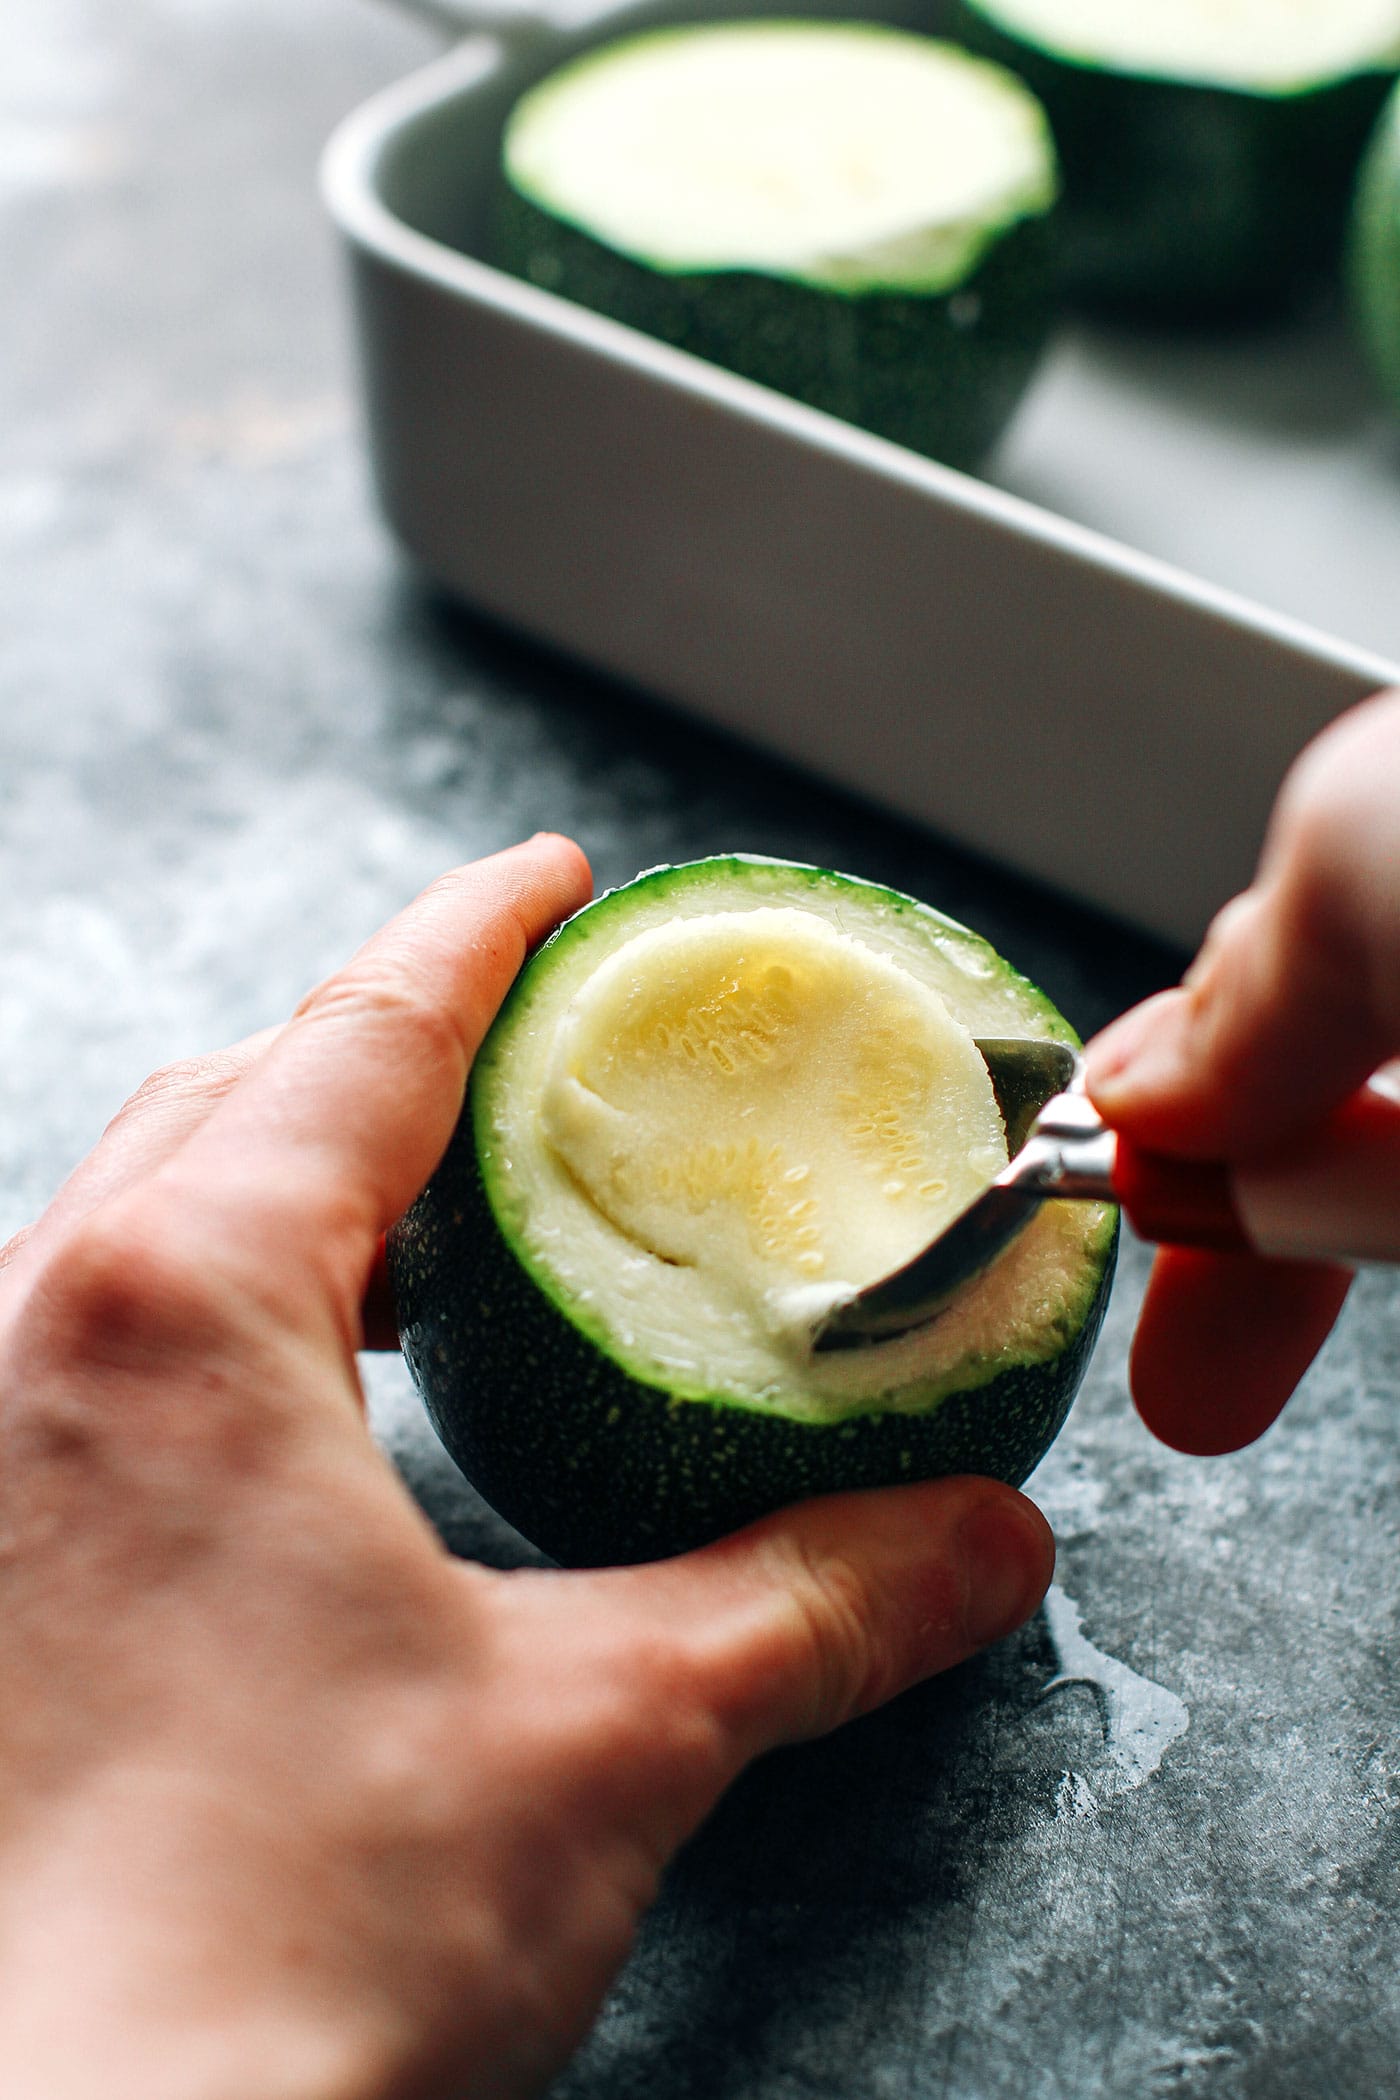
1292,1004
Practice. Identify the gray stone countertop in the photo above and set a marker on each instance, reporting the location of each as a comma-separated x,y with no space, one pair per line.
1148,1847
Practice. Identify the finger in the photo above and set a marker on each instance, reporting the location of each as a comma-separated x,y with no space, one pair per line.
338,1126
147,1130
824,1611
151,1127
1223,1340
1295,998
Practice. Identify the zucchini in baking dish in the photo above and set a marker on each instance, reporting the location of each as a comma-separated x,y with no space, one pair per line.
1208,146
852,215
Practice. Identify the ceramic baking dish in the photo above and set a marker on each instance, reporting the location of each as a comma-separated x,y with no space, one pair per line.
1088,715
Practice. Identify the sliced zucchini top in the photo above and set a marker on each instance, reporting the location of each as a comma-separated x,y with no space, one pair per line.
596,1220
850,157
1262,46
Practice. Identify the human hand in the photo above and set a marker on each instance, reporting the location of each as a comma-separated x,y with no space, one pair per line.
291,1803
1292,1004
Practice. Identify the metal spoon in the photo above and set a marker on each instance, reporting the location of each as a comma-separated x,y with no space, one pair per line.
1334,1197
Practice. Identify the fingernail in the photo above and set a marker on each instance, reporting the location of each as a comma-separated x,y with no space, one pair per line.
1007,1561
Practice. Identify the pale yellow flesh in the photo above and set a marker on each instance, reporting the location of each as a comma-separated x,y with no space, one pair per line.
669,1321
1263,44
759,1097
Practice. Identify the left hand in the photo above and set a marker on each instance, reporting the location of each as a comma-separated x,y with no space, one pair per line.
292,1804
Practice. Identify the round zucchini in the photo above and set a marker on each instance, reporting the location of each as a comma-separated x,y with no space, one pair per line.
854,216
1208,150
1373,255
716,1102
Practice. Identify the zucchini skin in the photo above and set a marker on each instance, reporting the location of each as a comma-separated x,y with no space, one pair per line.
1373,251
1188,201
939,372
597,1468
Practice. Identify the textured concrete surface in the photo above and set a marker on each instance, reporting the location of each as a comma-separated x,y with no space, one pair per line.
1147,1848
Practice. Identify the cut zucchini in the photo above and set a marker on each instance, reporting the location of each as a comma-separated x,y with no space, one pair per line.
1208,146
716,1103
1373,258
849,214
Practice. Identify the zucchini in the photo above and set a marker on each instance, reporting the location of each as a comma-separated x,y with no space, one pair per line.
854,216
1208,146
1373,254
715,1102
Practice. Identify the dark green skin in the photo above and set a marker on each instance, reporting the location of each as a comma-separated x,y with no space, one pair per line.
1373,254
1186,202
939,372
594,1467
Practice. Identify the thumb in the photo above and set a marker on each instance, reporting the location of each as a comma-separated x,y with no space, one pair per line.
1295,998
825,1611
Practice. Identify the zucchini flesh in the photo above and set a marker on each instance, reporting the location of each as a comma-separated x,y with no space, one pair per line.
1263,46
850,158
760,1097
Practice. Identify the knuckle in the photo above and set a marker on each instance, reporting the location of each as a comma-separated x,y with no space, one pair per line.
181,1082
177,1080
1336,804
132,1392
634,1698
830,1600
658,1709
157,1097
1322,935
376,992
1335,824
658,1753
1320,825
503,930
116,1365
117,1291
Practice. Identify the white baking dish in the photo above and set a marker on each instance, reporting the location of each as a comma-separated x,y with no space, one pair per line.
1034,691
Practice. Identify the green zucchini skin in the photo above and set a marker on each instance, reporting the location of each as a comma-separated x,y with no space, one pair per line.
1373,251
939,372
1185,201
597,1469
